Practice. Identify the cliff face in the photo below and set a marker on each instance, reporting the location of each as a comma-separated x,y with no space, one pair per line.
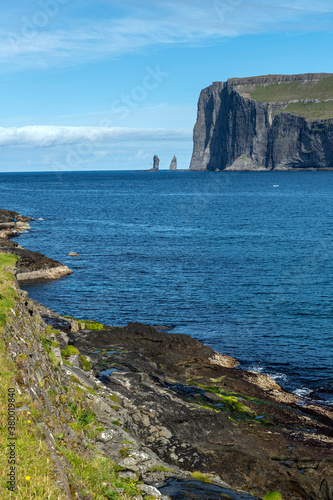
265,123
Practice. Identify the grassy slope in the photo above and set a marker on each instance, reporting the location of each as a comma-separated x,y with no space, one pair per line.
35,477
285,92
34,467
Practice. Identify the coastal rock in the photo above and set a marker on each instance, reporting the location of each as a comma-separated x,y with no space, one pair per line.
239,127
8,226
73,254
197,414
32,266
173,164
156,163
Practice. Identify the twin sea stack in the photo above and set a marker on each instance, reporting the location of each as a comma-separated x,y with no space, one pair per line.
280,122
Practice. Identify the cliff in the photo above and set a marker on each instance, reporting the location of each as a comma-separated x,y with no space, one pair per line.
279,122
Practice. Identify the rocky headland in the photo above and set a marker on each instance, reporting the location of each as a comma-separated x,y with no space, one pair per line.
32,265
170,417
274,122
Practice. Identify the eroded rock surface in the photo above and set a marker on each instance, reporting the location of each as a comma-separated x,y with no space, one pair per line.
212,417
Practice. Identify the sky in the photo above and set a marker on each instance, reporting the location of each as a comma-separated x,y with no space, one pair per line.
107,84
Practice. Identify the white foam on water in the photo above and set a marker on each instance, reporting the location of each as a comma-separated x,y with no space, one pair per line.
302,392
257,369
278,376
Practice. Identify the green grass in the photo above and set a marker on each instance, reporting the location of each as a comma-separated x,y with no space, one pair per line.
34,464
124,452
96,471
114,398
274,495
231,402
160,468
91,325
311,111
200,477
7,292
69,351
289,91
86,365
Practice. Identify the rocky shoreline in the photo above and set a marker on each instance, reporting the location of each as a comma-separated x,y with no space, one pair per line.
169,410
33,266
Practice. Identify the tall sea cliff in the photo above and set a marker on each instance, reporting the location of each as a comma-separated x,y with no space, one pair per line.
280,122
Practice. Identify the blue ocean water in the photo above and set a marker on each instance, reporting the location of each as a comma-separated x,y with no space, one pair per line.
241,261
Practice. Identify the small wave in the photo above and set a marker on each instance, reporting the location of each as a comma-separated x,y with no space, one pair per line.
302,392
273,375
257,369
279,376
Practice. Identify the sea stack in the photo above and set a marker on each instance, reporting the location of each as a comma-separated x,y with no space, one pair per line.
156,163
274,122
173,164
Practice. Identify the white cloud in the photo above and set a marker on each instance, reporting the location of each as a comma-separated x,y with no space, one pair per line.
150,24
47,136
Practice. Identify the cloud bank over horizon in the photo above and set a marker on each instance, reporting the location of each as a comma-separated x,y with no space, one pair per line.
49,136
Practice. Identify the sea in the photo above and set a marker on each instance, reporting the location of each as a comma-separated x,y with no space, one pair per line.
241,261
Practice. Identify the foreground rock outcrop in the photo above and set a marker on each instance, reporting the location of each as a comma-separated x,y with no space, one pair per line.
280,122
197,412
32,265
83,434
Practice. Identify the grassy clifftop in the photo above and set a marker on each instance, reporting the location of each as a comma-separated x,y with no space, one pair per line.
320,89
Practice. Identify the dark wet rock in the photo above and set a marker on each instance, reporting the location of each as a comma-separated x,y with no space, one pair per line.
192,490
8,216
32,265
35,266
5,243
164,327
200,415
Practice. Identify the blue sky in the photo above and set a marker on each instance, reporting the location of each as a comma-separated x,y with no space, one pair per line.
106,84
